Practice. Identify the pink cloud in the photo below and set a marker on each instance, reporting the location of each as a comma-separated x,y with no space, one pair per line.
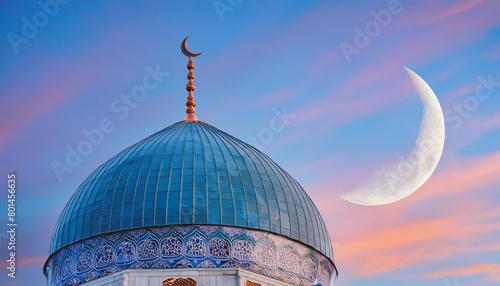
370,90
49,97
281,95
344,106
483,123
396,247
490,270
376,240
453,11
471,130
408,243
459,29
461,177
62,80
25,261
458,93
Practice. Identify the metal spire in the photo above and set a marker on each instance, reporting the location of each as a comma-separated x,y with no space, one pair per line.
190,87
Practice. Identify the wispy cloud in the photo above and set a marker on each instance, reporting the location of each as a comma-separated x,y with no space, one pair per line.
490,270
68,85
416,242
26,261
370,245
454,10
462,176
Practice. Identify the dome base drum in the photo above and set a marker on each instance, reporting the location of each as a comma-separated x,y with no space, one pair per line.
190,247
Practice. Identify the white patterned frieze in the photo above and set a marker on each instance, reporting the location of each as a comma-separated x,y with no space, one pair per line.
243,250
125,252
265,253
104,255
190,247
84,261
289,260
147,249
232,231
219,248
171,246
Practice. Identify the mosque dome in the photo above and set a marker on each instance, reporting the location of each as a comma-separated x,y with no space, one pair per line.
190,196
191,173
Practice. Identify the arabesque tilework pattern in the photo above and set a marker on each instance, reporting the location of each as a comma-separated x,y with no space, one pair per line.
190,247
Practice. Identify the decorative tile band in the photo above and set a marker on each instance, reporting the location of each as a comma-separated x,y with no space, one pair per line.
189,247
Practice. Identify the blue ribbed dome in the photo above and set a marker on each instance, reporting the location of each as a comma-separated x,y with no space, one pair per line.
191,173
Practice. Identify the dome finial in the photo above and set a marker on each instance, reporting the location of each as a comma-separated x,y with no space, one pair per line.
190,87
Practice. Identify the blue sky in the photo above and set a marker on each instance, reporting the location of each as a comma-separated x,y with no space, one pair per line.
336,69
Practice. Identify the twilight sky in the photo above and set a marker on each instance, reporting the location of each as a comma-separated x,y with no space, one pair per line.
328,73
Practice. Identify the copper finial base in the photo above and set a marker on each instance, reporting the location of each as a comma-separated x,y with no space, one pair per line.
190,117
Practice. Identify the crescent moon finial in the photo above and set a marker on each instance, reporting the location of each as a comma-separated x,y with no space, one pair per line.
186,51
190,87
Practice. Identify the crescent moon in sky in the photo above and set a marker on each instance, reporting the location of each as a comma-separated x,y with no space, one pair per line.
186,51
395,182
